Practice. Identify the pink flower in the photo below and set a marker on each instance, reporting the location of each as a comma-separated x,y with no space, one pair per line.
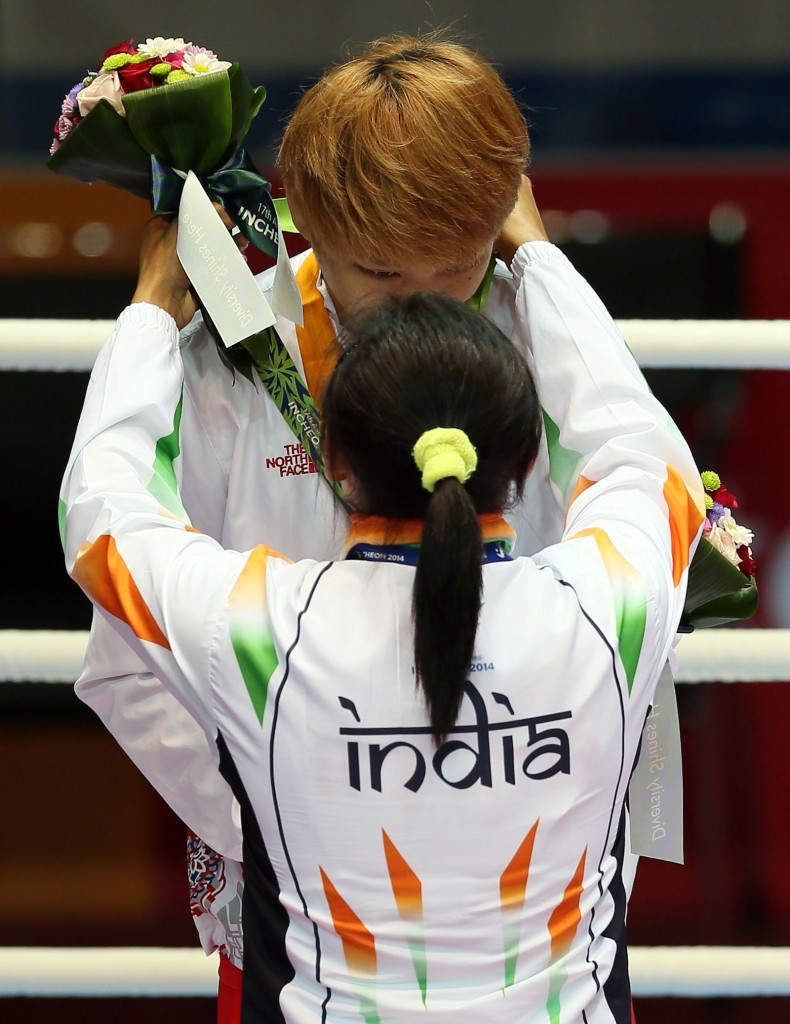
64,127
103,87
723,542
175,59
200,51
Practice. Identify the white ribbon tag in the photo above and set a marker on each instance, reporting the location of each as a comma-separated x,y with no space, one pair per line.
216,268
655,795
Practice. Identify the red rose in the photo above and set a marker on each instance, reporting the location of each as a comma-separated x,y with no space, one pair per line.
125,47
134,77
747,565
724,498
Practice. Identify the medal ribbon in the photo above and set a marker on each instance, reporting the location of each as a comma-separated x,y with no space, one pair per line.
237,185
407,554
289,393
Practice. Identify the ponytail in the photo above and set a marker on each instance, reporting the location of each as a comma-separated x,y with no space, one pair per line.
449,579
448,587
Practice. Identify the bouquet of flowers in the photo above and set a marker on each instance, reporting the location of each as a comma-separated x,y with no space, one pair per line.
165,106
722,587
127,68
154,114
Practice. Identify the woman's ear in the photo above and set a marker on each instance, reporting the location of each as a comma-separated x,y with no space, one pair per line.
335,465
337,470
297,215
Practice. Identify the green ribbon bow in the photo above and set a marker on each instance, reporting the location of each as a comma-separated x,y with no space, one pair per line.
237,185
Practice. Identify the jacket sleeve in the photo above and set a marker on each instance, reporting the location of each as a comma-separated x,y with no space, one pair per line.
125,528
619,467
160,737
153,728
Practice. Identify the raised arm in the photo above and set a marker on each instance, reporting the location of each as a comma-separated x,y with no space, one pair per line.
150,723
122,505
619,467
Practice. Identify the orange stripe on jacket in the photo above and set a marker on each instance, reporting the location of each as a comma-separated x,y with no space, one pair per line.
317,339
685,518
581,486
513,880
104,576
359,945
565,919
406,885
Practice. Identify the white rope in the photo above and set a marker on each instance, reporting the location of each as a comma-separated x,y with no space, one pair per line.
710,971
731,655
41,655
709,655
687,971
719,344
50,972
715,344
51,344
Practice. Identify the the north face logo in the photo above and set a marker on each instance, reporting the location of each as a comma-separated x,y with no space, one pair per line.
293,462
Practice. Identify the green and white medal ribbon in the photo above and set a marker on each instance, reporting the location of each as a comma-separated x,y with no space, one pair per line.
290,394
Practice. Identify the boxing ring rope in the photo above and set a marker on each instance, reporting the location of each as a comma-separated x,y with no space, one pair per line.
724,655
656,344
721,655
691,972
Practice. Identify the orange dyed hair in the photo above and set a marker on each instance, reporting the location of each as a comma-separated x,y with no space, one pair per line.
415,145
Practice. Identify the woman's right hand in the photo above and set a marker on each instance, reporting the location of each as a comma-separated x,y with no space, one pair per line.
162,280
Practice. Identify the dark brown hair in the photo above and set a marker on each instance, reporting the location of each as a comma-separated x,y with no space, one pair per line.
410,365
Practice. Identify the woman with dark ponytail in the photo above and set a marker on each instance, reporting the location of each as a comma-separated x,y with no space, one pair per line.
451,436
431,742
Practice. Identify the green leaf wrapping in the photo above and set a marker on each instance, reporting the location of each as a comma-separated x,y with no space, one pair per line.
718,592
187,124
245,102
101,148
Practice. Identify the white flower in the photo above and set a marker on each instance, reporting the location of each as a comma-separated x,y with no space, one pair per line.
203,64
721,539
160,47
740,534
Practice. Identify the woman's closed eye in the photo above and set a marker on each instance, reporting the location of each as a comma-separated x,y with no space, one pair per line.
380,275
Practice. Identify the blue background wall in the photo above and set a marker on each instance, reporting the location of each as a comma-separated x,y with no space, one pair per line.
602,75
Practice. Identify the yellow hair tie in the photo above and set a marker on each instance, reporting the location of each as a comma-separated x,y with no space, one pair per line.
444,452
